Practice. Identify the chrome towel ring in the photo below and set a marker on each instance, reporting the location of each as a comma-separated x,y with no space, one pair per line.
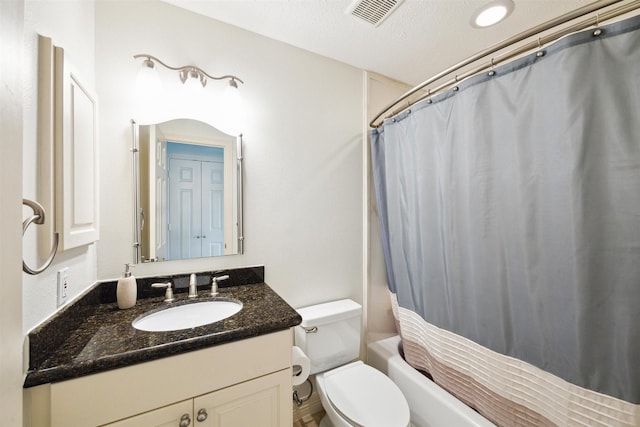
38,218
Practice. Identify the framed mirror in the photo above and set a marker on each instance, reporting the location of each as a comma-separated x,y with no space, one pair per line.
188,198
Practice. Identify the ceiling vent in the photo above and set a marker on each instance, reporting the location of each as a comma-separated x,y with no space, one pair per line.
372,11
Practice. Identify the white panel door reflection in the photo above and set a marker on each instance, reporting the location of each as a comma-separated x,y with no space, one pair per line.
196,199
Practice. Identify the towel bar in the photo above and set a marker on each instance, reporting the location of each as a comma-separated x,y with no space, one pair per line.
38,218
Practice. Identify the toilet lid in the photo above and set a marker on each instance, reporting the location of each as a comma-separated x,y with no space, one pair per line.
366,397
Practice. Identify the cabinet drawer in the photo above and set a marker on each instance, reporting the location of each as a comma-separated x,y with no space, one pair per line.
168,416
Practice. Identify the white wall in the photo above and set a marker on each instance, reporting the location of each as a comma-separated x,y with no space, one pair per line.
11,377
303,148
71,25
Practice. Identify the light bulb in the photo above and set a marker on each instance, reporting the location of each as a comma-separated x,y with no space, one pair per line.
232,108
192,86
192,96
148,90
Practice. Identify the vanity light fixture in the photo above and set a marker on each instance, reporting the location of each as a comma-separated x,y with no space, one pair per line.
153,100
185,72
492,13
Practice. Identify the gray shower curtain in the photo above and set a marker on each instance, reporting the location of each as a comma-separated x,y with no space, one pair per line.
510,209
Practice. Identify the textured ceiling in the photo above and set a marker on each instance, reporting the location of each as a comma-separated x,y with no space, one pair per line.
420,38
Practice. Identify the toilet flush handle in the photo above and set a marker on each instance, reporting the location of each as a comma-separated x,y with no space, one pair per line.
311,330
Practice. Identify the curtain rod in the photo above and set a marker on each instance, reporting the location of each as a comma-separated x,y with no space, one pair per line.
563,19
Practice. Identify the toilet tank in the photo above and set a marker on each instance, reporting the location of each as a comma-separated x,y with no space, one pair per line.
330,333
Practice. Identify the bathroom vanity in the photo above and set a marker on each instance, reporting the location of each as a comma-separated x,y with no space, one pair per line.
235,372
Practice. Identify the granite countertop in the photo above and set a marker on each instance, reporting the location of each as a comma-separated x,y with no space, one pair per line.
99,337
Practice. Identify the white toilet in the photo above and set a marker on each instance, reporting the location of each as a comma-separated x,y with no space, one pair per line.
352,393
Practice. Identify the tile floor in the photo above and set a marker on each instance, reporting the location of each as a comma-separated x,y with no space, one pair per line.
309,420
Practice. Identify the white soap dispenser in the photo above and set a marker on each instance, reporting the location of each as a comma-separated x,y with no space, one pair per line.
127,290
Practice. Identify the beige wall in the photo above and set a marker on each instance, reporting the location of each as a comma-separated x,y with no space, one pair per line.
11,25
303,180
70,24
303,148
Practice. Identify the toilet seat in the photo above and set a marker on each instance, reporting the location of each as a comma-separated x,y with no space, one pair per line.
365,396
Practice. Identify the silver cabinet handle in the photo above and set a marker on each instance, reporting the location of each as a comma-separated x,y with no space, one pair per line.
185,421
202,415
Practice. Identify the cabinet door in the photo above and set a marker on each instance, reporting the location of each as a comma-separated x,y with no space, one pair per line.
76,157
167,416
264,402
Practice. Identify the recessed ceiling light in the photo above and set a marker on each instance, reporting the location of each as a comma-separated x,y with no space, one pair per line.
492,13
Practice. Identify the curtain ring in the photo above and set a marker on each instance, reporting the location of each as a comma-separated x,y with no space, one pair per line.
456,88
540,52
492,72
598,30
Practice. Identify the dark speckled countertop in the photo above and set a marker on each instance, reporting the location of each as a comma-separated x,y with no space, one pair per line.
92,335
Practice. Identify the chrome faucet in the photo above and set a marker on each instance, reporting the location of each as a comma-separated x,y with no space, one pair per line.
214,284
168,295
193,286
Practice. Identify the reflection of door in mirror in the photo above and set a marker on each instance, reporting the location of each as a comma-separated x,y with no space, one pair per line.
153,186
187,192
158,222
196,200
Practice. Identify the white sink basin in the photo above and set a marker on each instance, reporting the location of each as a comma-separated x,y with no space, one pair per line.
186,315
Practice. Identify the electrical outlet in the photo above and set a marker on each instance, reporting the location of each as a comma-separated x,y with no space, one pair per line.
63,285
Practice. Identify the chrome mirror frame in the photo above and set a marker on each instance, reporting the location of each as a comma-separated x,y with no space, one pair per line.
138,214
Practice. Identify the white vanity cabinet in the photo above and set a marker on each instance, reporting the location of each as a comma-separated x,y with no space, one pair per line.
239,384
260,402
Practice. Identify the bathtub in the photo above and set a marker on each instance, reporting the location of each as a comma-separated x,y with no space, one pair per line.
431,406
